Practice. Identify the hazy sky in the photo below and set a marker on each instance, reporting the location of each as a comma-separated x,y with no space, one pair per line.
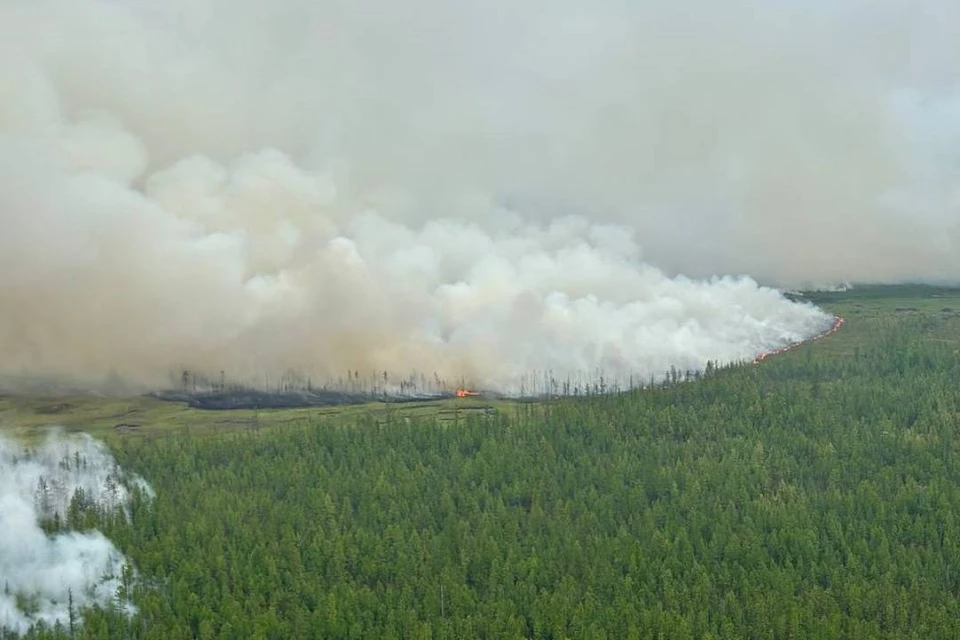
261,184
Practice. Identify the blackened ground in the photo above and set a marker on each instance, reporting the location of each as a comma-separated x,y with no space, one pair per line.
257,399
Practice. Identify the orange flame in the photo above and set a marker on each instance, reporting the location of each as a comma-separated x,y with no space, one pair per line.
463,393
837,323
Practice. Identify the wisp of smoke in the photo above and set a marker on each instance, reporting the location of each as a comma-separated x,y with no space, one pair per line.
471,188
46,570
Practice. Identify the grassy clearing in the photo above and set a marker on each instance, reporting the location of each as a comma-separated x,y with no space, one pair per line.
108,418
871,308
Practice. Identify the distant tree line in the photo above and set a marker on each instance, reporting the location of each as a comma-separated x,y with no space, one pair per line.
376,384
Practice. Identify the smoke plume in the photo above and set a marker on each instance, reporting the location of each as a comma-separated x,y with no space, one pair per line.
40,573
479,189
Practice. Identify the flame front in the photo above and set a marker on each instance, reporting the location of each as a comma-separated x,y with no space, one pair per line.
463,393
837,323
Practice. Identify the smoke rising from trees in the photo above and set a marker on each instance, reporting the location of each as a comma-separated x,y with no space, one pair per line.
44,574
471,188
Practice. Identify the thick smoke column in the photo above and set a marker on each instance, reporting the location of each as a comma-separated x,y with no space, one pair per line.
38,484
475,189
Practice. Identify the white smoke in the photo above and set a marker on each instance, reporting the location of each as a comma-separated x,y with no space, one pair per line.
42,570
470,188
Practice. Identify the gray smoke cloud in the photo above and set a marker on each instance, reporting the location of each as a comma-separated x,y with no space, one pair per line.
479,189
39,573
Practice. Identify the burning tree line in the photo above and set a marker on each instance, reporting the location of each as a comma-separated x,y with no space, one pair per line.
375,383
357,386
834,327
382,385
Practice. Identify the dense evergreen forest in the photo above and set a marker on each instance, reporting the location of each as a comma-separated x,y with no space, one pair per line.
814,496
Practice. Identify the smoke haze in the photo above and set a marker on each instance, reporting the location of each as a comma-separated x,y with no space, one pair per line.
46,570
479,189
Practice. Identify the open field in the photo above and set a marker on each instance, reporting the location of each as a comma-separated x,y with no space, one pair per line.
144,416
869,309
